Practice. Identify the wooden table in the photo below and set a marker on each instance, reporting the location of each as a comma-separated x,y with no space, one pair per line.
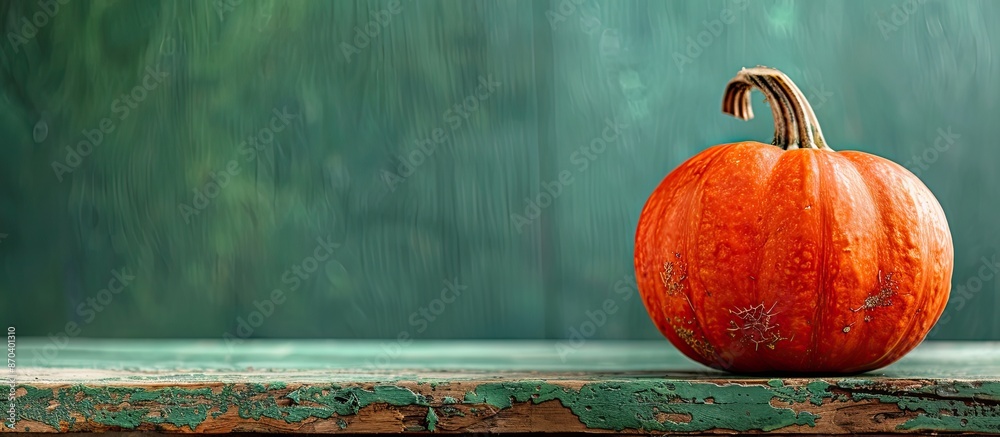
481,386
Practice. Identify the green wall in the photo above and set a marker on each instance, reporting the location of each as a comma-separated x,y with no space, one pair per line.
410,154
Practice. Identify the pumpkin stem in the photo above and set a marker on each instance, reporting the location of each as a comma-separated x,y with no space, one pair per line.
795,123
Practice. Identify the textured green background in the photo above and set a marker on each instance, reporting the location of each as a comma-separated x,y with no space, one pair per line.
883,76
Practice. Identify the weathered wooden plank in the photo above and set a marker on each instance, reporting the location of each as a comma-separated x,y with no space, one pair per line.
603,387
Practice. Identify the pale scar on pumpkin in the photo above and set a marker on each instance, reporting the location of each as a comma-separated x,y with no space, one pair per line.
882,296
673,274
701,346
755,326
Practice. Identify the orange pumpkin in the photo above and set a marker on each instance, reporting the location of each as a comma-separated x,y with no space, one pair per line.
792,257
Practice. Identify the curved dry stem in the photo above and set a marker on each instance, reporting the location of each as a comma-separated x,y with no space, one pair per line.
795,123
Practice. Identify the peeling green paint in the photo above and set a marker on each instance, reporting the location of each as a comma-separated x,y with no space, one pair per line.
945,406
190,407
182,416
449,411
312,402
651,404
295,396
180,406
432,419
635,404
124,418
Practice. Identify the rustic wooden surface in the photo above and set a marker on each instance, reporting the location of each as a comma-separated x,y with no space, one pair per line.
194,386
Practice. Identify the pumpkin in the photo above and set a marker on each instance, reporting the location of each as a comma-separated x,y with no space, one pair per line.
790,257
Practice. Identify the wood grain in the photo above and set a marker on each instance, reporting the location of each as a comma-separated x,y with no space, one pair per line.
592,392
